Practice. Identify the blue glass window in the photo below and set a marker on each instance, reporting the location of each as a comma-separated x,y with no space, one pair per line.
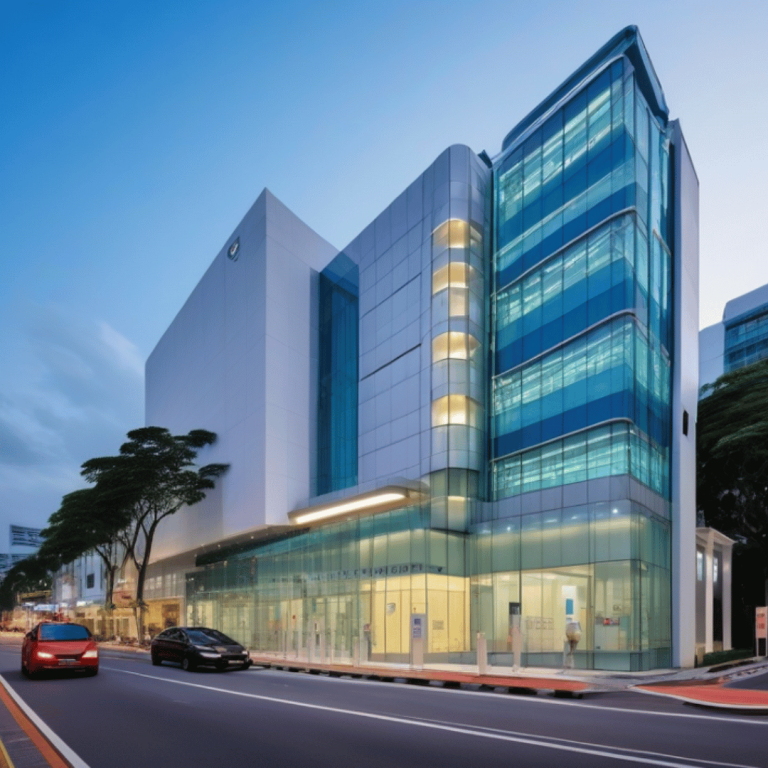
338,376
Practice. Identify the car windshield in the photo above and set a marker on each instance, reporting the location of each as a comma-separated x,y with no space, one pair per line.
63,632
208,636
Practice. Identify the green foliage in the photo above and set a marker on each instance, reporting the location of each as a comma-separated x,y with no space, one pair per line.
732,455
732,482
86,521
153,477
29,575
720,657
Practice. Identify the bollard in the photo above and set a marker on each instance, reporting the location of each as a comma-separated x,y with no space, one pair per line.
482,654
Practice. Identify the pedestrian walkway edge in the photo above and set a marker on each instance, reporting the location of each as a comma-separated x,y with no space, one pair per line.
709,703
53,749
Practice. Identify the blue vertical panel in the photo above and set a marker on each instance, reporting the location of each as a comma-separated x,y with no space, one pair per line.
338,376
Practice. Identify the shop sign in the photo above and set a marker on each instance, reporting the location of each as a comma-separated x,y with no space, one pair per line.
761,623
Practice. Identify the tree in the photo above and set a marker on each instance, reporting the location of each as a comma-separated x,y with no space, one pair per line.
31,574
732,460
153,477
87,522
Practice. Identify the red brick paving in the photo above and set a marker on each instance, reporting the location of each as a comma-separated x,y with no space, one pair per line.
714,693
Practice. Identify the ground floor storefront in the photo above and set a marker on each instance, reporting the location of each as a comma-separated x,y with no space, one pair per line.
352,589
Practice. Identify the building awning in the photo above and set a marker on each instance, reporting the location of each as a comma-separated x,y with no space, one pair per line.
381,500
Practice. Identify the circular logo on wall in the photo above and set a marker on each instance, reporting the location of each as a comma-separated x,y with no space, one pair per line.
233,250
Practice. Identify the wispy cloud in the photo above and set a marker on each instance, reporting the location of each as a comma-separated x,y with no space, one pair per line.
82,391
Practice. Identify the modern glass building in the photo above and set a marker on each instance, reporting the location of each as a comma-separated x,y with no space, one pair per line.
740,339
480,412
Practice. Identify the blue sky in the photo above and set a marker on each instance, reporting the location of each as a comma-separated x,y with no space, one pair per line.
135,135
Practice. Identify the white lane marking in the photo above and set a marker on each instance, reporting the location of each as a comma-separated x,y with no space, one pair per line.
528,700
597,750
75,760
553,702
621,749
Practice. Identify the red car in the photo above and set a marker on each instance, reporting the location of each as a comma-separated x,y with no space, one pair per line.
59,646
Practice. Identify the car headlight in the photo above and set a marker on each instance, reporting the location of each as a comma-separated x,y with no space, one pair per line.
44,655
92,654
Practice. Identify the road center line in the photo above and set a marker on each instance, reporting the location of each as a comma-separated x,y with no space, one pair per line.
596,750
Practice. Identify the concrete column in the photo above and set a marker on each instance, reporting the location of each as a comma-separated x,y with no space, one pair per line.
727,597
708,595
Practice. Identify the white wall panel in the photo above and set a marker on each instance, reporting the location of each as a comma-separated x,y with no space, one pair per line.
237,360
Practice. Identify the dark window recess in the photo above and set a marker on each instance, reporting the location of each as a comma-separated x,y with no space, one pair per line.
89,581
685,422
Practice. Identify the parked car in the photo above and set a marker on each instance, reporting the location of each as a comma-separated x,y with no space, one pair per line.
198,646
57,646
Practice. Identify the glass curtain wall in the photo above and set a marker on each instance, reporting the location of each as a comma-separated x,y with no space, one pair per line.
582,358
746,339
338,376
610,559
325,592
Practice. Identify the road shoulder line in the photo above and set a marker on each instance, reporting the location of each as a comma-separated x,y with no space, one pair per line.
5,758
56,753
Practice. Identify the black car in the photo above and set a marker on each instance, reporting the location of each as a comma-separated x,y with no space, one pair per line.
199,646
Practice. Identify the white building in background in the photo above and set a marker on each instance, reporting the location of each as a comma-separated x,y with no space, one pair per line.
22,541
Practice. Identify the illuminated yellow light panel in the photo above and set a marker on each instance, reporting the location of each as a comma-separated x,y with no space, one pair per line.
350,506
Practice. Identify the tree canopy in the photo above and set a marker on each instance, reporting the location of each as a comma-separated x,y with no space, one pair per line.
87,521
31,574
152,477
732,454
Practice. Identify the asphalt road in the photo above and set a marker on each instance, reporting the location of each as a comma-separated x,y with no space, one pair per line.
133,714
759,681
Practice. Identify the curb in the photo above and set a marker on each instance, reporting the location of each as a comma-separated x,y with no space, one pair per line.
514,684
709,703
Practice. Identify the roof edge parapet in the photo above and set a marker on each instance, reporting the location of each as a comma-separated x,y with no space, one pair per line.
629,43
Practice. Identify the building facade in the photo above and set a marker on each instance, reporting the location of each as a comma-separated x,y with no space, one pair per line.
741,338
481,412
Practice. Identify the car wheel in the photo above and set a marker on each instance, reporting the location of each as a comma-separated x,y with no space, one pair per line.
93,672
247,664
188,664
24,670
155,660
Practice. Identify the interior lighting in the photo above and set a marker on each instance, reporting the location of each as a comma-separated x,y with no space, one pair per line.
349,506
